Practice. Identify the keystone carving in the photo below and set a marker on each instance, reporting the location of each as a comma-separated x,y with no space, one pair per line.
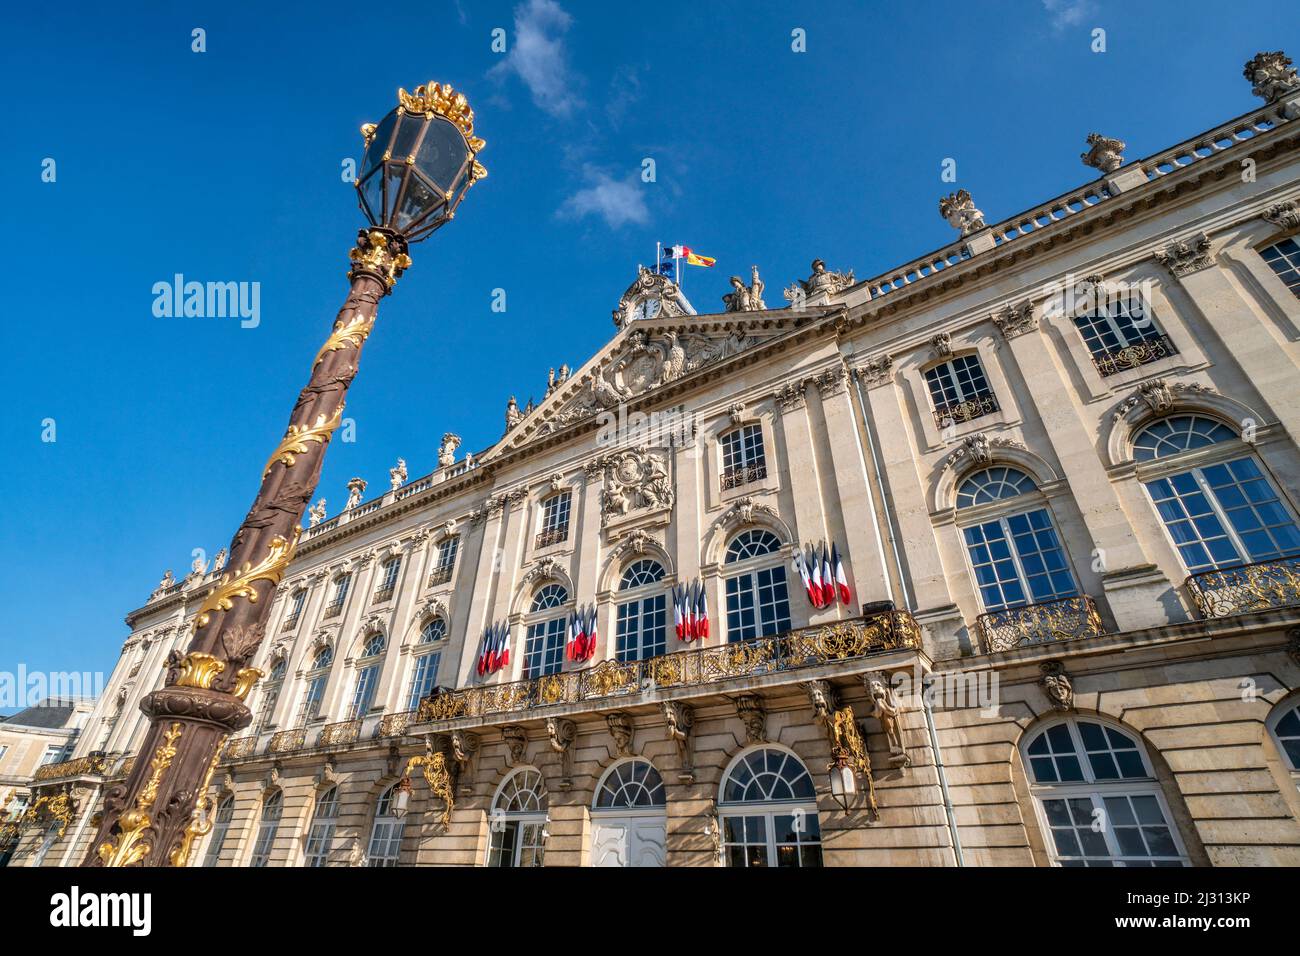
752,713
1056,685
620,728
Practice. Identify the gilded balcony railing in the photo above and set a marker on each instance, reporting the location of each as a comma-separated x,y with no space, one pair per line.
343,732
93,763
333,609
440,575
1064,620
287,741
125,767
1250,587
547,538
1134,356
241,746
383,593
736,477
956,413
394,725
807,647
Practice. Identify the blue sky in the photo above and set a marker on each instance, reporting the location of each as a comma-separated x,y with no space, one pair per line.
226,165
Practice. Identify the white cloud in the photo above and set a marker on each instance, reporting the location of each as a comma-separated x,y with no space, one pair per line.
617,201
1067,13
538,57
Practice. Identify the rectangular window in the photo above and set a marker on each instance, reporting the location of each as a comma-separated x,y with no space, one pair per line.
555,519
1137,832
758,604
442,571
335,606
364,695
295,610
1121,335
265,840
311,701
385,842
959,391
544,648
1283,257
388,579
1224,515
743,457
641,629
426,672
53,754
1018,560
3,750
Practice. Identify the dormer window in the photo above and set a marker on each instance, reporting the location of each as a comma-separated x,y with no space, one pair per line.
555,519
959,391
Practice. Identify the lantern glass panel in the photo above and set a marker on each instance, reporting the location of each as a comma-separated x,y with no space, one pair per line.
442,154
379,144
408,135
372,195
415,202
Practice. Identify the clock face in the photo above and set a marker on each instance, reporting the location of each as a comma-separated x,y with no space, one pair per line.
646,309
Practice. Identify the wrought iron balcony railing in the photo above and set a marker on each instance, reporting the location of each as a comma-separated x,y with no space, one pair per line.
1134,356
333,609
440,575
1064,620
241,747
343,732
94,763
383,594
1249,587
394,725
956,413
287,741
547,538
290,623
735,477
807,647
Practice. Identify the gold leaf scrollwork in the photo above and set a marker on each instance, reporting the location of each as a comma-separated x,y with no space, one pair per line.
346,333
438,777
200,819
131,847
848,748
198,669
271,568
550,689
294,442
244,681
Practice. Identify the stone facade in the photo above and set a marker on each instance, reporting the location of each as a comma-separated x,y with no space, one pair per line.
1186,680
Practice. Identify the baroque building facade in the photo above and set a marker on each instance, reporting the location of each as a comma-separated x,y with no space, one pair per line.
1056,459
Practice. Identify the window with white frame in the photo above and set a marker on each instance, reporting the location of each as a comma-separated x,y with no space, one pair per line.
1284,724
53,754
517,824
271,693
295,609
1121,334
446,564
767,808
743,457
340,594
220,828
368,667
555,519
641,621
631,785
1283,257
959,390
425,673
1017,558
545,635
314,690
267,825
1218,514
388,578
758,600
1097,797
386,834
320,836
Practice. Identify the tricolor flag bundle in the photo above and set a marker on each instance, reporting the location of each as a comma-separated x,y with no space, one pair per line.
582,634
692,258
691,612
822,572
496,649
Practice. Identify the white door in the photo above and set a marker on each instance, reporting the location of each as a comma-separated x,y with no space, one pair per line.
619,840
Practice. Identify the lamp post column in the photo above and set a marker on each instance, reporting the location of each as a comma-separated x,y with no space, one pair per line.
154,817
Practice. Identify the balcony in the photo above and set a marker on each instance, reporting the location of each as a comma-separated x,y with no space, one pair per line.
95,763
343,732
609,680
1249,587
333,609
1065,620
554,536
289,623
287,741
440,575
735,477
394,725
383,594
241,747
957,413
1134,356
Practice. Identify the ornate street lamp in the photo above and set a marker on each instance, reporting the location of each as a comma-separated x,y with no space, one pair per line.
419,162
844,784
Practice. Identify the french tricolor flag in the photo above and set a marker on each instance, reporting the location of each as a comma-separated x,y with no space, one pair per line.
841,579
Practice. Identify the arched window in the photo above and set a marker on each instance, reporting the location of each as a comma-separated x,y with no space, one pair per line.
314,690
363,695
518,820
768,811
277,670
268,824
1097,797
641,625
544,637
1284,724
1221,514
631,785
320,837
386,835
758,602
1017,558
324,658
220,827
427,660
